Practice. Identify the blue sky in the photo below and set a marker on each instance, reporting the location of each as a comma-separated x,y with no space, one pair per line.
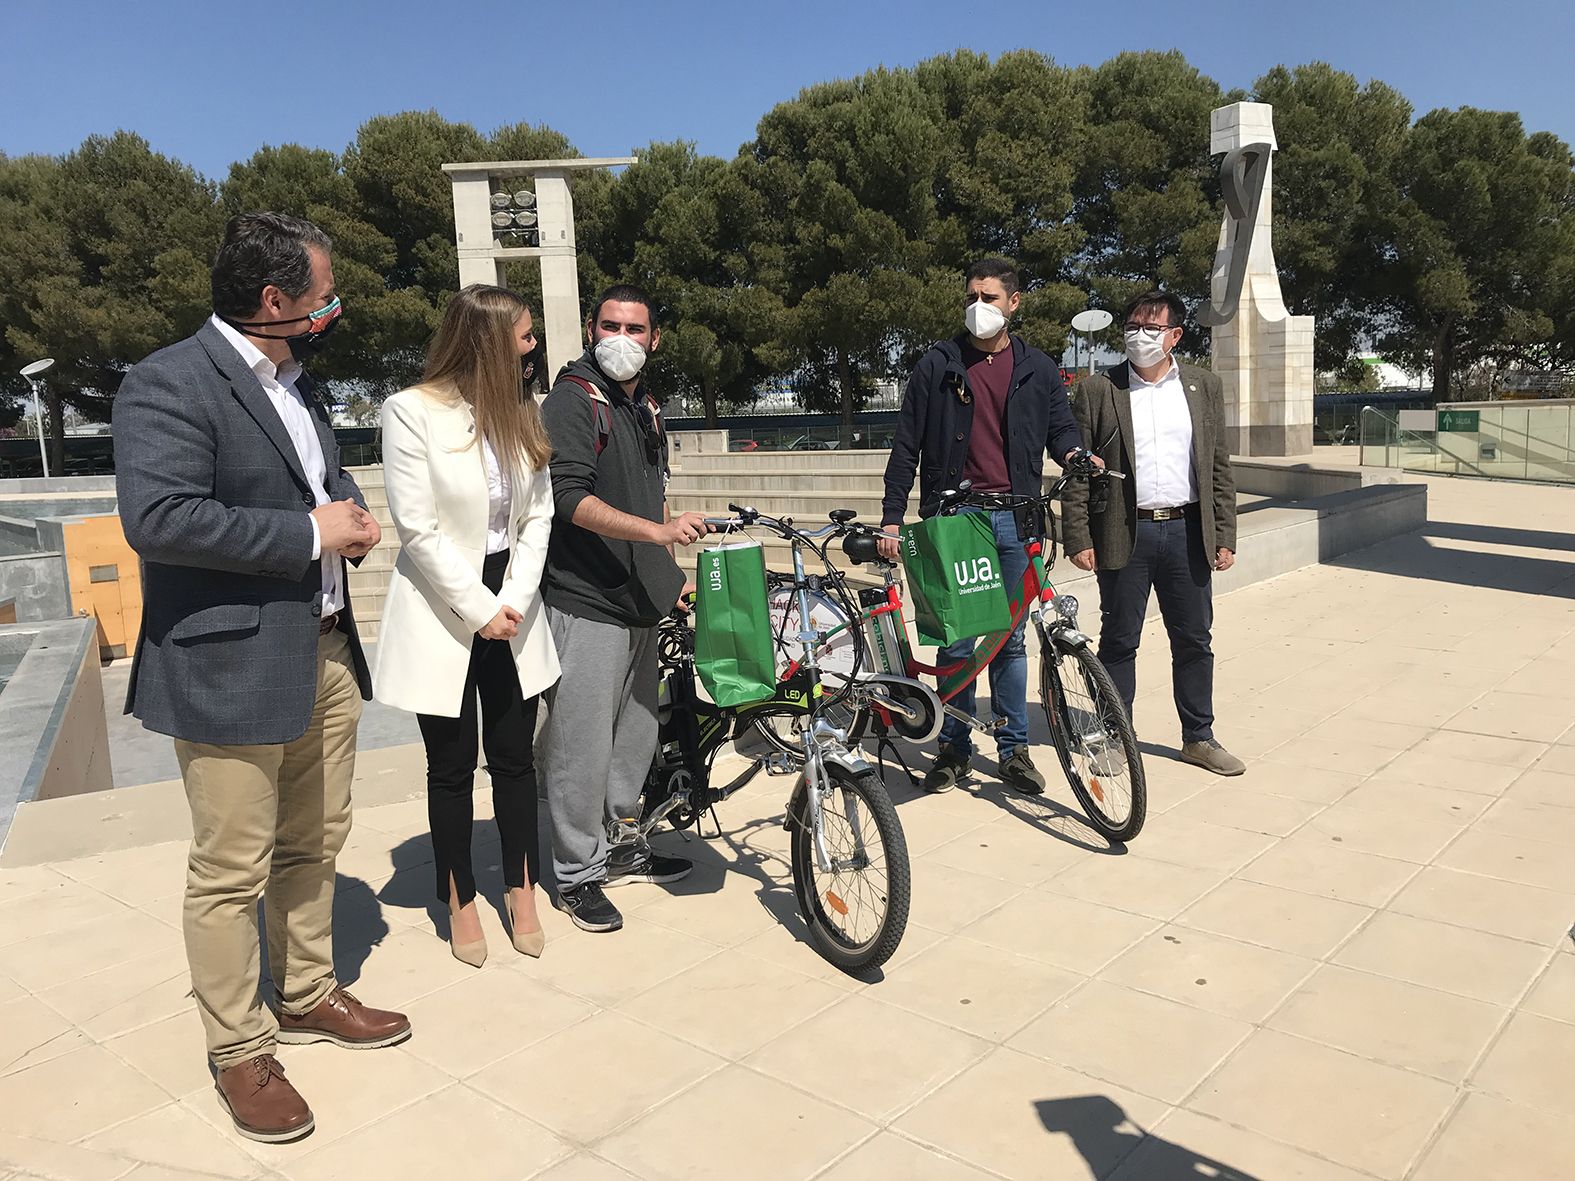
211,81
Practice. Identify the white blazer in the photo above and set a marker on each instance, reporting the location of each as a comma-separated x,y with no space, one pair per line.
437,495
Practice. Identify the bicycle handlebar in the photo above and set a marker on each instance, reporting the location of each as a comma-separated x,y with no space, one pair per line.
955,498
747,518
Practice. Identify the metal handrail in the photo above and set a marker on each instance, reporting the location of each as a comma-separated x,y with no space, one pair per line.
1401,432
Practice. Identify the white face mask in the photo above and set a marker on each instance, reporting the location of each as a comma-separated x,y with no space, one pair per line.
620,357
984,320
1143,351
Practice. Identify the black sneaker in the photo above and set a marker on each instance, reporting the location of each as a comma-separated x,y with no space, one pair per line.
1018,770
589,908
637,863
948,770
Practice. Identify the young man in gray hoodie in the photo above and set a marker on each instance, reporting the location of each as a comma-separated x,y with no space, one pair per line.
610,579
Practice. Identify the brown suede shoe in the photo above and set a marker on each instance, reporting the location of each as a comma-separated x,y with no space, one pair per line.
341,1019
262,1102
1211,756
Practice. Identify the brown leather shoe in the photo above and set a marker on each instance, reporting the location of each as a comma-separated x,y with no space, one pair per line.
262,1102
341,1019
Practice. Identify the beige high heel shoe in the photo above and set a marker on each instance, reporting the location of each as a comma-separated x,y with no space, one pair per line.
528,943
473,953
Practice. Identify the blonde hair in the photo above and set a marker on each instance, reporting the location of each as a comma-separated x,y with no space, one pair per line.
474,355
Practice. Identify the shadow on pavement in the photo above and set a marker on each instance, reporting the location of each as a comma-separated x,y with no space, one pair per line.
1415,556
1102,1133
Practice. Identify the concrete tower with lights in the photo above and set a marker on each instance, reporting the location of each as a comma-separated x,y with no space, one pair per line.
513,209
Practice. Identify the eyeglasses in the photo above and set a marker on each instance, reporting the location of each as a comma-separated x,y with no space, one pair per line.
1151,331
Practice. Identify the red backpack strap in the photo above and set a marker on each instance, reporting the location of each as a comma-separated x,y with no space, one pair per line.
601,411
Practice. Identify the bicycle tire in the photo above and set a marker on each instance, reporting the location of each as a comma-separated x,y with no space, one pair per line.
869,950
1082,768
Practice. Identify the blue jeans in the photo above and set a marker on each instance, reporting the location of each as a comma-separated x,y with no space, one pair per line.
1009,669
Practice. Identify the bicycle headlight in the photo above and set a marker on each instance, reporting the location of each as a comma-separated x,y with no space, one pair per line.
1066,607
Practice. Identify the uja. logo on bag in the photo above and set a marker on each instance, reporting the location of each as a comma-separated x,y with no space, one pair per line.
977,575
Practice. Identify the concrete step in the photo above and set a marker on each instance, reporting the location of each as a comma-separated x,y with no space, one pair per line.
786,481
784,461
810,509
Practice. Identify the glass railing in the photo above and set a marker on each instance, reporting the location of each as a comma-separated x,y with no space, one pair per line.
1498,440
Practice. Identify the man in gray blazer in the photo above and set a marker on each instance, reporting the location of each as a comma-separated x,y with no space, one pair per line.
1170,525
232,493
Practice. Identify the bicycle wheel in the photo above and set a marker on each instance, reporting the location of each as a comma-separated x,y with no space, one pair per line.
836,664
1094,737
858,909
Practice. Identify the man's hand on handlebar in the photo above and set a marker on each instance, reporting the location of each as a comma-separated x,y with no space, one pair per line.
1081,460
888,544
684,529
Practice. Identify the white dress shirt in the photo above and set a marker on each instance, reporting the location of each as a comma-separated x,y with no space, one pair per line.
1162,438
498,501
278,382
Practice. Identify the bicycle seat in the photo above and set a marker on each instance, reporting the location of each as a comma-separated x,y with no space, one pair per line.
843,515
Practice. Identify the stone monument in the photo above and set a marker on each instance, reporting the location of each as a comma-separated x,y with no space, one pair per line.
1262,354
493,225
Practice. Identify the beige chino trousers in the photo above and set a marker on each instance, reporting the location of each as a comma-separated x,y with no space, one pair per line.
268,822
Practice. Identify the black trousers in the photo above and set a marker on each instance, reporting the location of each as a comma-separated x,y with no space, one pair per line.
1168,558
508,726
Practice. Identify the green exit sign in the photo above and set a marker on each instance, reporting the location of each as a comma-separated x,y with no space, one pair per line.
1461,422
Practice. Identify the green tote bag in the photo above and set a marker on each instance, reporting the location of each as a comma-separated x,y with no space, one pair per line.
734,654
954,578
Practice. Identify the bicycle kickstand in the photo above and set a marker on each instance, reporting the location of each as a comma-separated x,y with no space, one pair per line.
882,745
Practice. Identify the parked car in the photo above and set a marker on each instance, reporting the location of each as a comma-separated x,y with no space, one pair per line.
743,445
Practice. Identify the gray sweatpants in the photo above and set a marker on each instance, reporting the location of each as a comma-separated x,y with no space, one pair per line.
599,738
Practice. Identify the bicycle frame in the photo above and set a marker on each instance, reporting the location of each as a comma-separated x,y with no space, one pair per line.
1036,598
800,693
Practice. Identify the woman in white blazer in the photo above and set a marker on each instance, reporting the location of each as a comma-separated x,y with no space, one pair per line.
465,461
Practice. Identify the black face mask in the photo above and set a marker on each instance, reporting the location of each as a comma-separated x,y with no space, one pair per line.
303,345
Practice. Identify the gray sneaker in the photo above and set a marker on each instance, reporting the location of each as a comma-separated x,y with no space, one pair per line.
1018,770
1211,756
948,770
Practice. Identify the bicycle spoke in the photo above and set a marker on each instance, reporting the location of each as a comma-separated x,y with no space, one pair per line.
862,891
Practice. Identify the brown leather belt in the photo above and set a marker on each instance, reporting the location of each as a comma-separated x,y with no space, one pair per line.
328,623
1167,514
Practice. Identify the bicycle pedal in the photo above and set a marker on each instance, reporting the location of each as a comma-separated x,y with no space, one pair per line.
779,764
623,832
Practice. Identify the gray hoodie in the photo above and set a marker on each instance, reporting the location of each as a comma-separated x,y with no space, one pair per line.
630,583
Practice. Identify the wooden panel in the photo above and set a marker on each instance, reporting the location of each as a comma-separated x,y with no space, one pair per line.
106,581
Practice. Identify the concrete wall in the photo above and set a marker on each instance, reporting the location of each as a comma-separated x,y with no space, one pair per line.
54,485
53,737
696,442
36,583
1302,481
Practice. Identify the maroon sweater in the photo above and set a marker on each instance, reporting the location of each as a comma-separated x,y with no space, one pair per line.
990,380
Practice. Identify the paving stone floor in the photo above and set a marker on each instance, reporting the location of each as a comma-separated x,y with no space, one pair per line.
1353,962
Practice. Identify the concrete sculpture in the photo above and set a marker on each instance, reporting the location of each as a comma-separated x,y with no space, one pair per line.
1262,354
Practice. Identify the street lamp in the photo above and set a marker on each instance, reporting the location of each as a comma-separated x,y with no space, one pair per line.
31,372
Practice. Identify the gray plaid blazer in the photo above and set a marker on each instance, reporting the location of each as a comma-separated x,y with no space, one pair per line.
214,500
1104,518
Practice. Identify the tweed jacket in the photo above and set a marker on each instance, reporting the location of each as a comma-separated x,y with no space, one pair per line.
215,502
1102,514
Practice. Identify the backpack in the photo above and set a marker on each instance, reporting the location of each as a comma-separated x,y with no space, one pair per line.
601,412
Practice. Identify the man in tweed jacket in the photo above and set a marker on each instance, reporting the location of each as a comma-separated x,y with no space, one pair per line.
231,491
1169,525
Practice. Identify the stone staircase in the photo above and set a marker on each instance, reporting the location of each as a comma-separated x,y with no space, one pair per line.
803,485
369,580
